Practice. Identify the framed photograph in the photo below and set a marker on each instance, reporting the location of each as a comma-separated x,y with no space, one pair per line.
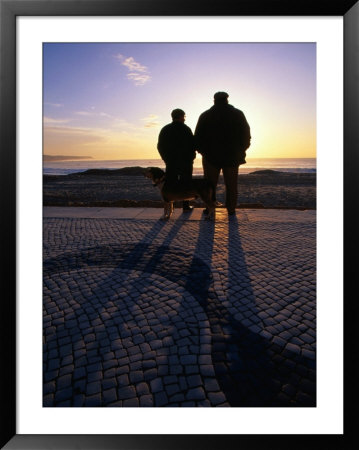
219,323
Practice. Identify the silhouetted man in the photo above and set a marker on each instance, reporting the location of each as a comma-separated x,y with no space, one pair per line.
222,137
177,149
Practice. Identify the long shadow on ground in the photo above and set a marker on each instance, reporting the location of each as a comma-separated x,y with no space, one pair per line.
250,370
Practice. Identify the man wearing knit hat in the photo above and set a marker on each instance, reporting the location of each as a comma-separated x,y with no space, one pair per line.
222,137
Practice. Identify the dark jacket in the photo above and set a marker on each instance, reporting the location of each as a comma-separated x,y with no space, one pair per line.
222,135
176,144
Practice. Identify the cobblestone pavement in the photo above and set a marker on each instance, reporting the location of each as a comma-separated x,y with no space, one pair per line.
180,313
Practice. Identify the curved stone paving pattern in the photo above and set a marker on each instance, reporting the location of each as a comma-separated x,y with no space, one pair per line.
183,313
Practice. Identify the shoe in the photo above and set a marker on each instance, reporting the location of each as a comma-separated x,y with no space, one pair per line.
206,212
187,209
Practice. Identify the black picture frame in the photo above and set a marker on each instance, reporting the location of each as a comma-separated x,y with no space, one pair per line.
9,10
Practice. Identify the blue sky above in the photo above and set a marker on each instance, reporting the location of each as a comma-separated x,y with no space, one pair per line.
109,101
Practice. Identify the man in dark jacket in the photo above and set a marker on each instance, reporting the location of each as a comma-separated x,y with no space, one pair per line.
177,149
222,137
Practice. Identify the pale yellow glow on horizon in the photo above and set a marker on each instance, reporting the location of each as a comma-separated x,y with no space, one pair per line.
112,149
277,130
99,144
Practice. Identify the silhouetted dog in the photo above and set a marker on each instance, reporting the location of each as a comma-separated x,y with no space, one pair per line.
172,192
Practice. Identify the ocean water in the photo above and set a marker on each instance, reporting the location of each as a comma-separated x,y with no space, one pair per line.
296,165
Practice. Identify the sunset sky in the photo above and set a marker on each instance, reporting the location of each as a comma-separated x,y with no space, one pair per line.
109,101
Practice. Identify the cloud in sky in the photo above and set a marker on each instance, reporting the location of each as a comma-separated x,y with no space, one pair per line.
84,113
151,121
74,130
51,121
139,79
55,105
139,73
93,114
133,65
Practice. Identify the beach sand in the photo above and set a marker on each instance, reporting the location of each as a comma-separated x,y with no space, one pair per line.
129,188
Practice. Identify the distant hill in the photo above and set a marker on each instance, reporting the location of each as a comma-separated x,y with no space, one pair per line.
64,158
266,172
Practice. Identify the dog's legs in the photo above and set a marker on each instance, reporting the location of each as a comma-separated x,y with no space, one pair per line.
166,211
211,206
211,211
